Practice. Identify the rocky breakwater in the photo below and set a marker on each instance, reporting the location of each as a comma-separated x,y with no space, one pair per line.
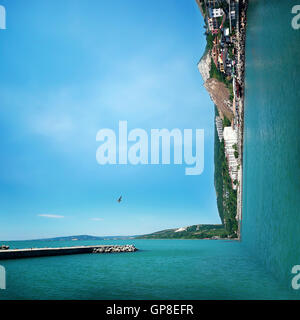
115,249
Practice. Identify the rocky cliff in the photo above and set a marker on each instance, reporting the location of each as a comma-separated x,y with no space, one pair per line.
219,94
204,66
217,90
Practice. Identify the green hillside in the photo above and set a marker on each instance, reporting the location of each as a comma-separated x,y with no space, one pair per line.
199,231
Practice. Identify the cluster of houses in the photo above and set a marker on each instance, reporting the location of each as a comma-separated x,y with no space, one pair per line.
223,29
221,19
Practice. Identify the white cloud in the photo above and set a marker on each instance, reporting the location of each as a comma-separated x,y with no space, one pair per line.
59,126
97,219
50,216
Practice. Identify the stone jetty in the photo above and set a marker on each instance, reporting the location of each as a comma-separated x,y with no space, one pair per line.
113,249
45,252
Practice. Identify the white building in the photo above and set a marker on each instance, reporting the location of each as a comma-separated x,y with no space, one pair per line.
231,139
219,126
216,12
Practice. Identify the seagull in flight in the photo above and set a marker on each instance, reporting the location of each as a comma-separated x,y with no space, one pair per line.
120,199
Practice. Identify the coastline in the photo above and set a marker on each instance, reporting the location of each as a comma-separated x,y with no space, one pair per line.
241,44
222,67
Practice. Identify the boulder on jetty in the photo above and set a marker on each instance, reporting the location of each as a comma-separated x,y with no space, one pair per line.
116,248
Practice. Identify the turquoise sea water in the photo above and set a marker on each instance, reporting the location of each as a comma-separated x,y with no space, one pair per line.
256,268
271,217
162,269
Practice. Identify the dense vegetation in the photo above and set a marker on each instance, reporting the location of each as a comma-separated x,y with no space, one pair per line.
226,196
226,121
216,73
209,41
203,6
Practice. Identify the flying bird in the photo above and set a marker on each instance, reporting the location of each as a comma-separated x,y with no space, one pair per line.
120,199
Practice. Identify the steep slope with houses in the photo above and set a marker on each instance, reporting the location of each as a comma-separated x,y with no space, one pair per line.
222,70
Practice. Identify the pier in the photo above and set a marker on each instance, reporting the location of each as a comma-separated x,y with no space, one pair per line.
46,252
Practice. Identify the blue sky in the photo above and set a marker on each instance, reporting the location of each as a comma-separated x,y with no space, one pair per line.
70,68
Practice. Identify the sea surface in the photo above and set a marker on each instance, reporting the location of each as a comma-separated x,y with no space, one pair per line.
162,269
258,267
271,198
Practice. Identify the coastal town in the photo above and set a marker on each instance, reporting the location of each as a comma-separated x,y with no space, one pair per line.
222,69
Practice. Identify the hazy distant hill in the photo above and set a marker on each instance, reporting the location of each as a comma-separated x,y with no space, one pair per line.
199,231
86,237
